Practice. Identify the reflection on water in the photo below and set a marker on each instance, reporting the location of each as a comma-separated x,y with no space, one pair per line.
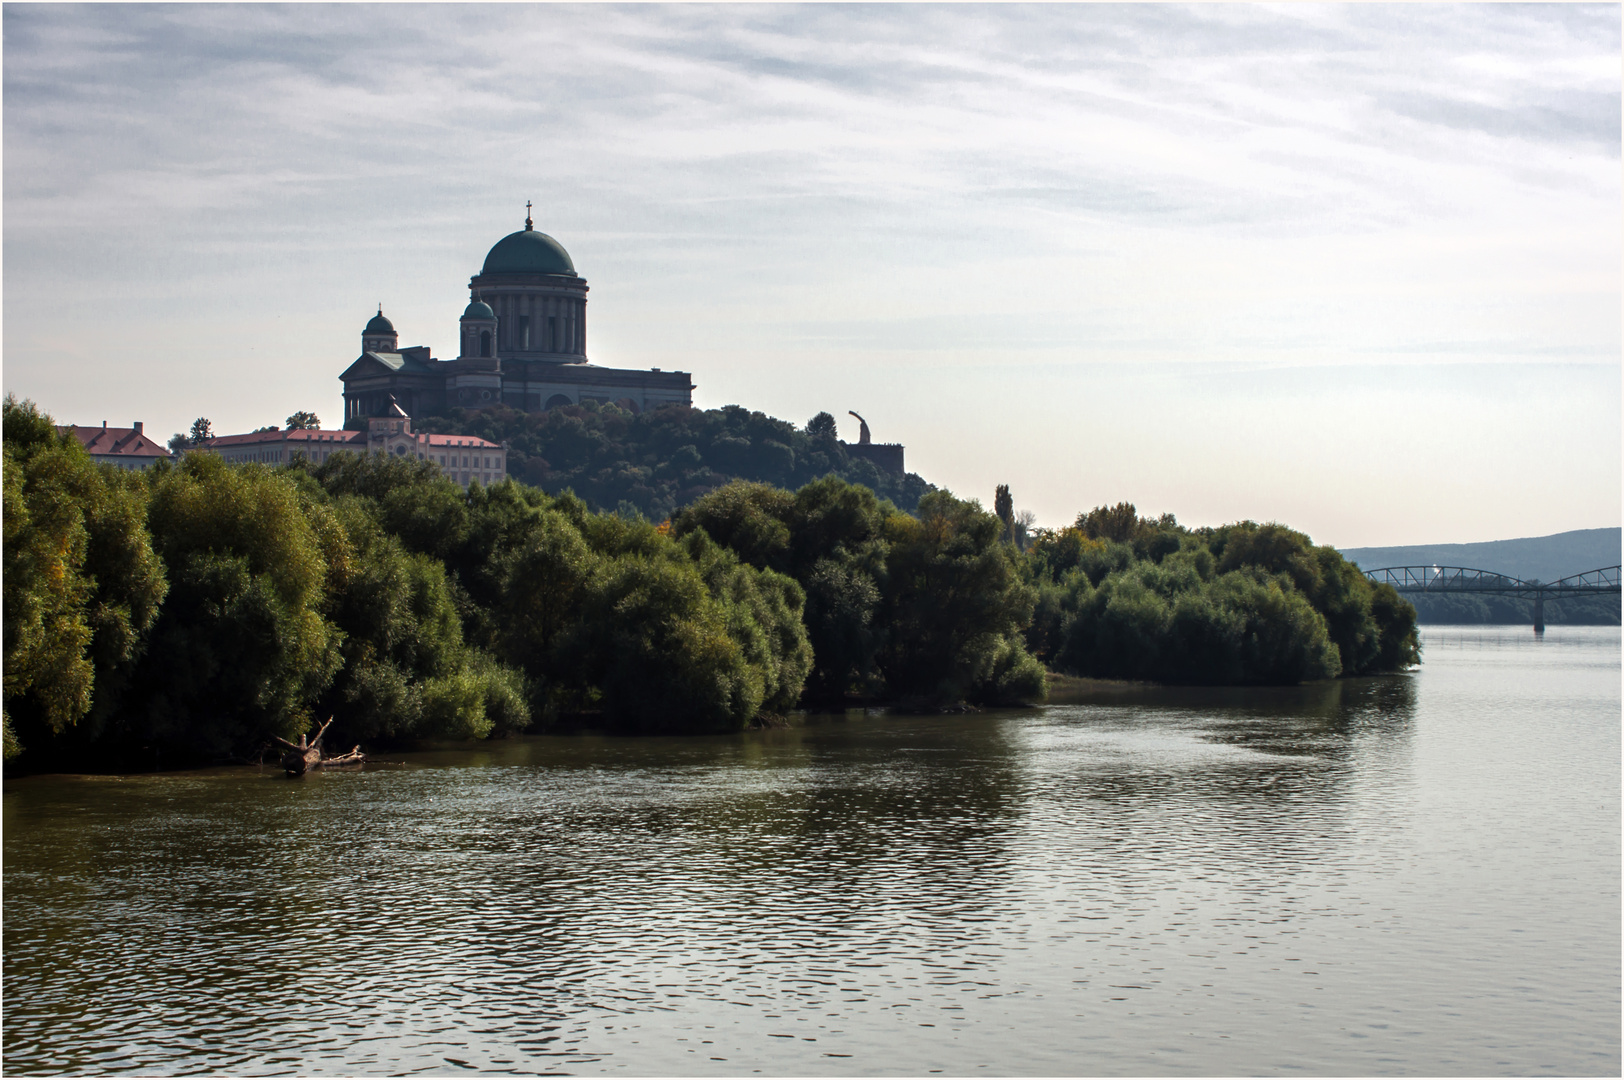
1409,874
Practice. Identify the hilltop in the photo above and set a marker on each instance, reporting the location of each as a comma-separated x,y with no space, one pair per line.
1542,558
1547,558
659,461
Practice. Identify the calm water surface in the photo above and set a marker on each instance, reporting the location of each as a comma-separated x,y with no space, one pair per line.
1414,874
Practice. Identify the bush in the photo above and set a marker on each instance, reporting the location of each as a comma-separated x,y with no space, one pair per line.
1244,603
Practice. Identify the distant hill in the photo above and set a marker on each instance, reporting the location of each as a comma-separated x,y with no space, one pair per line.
1547,558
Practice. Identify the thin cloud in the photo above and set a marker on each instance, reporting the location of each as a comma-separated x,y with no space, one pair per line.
886,189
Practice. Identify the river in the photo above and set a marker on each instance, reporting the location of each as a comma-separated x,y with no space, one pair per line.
1414,874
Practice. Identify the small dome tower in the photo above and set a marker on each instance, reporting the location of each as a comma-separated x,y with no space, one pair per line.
478,329
380,336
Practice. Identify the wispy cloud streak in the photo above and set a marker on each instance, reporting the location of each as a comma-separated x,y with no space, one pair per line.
751,189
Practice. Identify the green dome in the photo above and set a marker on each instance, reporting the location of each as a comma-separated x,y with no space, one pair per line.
479,309
379,325
528,252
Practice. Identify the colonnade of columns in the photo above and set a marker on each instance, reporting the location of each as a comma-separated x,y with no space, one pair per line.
540,323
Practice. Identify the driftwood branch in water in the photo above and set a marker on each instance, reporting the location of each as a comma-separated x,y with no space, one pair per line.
354,757
306,754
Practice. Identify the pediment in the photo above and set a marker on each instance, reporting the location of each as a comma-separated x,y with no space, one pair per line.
372,364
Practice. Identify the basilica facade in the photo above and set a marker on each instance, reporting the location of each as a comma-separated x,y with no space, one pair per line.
521,343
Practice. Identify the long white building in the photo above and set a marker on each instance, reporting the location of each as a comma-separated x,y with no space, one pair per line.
462,458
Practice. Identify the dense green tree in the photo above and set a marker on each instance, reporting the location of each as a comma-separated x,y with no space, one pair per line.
413,500
833,519
828,536
1172,623
1003,505
130,580
304,420
842,599
1334,586
822,426
955,607
82,583
1119,522
1125,597
241,650
435,583
47,632
543,584
764,615
532,570
657,646
753,520
406,668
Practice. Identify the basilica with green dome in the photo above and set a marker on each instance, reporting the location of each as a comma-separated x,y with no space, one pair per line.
521,343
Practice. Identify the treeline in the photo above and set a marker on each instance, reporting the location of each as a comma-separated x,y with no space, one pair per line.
1477,610
1125,597
193,611
658,461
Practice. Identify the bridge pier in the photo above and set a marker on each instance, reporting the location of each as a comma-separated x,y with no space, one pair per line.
1539,614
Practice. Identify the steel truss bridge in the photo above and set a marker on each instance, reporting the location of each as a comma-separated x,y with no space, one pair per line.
1458,580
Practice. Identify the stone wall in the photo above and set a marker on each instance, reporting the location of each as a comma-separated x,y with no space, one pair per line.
887,457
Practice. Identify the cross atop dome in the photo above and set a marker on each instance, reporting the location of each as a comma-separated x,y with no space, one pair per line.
529,226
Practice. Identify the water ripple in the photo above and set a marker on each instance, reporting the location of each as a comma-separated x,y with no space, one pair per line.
1340,878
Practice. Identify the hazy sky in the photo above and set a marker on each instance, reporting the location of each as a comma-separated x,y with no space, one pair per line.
1356,269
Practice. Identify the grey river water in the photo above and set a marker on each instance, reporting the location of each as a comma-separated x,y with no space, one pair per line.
1410,874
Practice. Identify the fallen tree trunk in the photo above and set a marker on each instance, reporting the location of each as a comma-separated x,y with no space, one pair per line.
354,757
306,754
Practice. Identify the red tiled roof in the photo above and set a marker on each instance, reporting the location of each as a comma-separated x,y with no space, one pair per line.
277,435
359,438
122,441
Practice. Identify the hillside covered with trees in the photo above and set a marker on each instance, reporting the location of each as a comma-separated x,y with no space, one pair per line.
661,460
192,612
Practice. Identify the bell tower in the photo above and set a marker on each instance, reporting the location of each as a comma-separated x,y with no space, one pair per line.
478,329
380,336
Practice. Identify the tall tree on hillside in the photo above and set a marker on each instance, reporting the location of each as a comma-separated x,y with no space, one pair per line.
1023,528
304,421
202,431
1003,505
